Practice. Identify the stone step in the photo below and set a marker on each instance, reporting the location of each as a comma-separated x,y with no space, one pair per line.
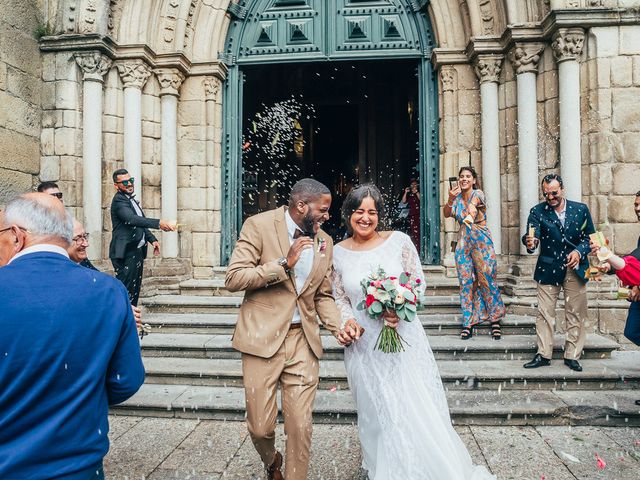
445,324
436,285
511,347
608,374
230,304
584,407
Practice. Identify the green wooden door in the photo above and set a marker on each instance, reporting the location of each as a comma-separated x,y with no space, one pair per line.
279,31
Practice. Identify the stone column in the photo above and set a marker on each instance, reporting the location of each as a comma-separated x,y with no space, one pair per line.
488,70
94,66
170,80
525,58
450,166
567,47
134,74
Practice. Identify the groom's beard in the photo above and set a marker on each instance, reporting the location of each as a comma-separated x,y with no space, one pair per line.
307,225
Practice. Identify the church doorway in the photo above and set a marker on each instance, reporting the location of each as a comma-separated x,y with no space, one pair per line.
342,123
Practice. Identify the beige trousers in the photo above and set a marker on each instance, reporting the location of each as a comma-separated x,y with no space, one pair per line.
575,311
295,368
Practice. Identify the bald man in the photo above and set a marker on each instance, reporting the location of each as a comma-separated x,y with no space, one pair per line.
69,347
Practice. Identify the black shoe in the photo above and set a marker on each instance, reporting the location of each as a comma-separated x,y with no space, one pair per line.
573,365
637,402
538,361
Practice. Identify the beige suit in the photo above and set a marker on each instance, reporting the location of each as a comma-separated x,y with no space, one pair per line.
272,352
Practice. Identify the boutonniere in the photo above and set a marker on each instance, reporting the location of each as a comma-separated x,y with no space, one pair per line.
322,246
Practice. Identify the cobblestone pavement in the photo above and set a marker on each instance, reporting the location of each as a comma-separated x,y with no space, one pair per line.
168,449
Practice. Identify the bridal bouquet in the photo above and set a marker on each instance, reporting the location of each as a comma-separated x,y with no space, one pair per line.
386,293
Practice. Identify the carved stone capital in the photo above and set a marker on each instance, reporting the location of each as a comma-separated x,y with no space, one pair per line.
488,68
94,65
134,73
170,80
211,88
567,44
525,57
448,78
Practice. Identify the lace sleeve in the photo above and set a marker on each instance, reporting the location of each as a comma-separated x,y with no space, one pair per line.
411,261
341,298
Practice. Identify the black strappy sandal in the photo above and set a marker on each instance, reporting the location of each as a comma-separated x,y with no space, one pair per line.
466,333
496,331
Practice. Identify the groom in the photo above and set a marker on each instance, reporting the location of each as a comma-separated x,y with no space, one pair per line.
283,263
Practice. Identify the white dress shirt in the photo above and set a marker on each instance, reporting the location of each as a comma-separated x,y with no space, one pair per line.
302,268
562,214
138,210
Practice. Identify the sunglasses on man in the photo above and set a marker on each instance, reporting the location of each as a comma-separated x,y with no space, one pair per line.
125,183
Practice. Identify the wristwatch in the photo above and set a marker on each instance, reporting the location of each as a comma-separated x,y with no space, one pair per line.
282,261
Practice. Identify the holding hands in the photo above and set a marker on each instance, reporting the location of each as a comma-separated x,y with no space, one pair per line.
167,226
350,333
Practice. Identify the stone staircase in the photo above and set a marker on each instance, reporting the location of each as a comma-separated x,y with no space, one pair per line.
192,371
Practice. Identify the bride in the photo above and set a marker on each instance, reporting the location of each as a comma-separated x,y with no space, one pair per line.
403,418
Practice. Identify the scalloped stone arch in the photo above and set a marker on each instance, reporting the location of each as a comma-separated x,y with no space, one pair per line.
199,27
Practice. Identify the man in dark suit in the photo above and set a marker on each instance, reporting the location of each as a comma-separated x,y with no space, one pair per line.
69,348
131,234
561,228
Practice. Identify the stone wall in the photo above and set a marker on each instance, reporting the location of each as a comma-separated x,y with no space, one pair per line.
20,97
611,130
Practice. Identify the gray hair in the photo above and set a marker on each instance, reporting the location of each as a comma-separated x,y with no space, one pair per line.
38,219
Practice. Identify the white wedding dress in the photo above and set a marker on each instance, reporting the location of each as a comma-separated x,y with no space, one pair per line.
403,418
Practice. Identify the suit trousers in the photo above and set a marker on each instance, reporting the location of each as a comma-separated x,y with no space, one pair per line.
129,272
632,327
575,311
295,368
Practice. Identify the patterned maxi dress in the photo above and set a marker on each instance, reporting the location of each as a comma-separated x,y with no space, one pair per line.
476,263
404,425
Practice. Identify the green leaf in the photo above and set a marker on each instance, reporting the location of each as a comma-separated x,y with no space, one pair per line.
402,314
409,296
404,278
362,305
410,306
410,315
388,285
376,307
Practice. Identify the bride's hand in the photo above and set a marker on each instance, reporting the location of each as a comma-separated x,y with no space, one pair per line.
391,319
351,332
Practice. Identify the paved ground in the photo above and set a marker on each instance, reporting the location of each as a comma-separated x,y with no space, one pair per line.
168,449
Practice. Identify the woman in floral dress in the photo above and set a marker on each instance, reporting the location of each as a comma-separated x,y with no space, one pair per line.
475,256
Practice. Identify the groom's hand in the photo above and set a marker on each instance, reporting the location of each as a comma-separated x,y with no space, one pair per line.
351,332
299,244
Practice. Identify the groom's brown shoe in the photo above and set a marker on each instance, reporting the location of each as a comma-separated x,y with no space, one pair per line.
273,471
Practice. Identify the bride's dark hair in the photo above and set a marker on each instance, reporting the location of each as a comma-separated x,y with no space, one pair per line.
354,199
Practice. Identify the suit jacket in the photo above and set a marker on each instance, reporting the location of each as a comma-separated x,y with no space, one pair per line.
128,227
556,241
69,350
270,294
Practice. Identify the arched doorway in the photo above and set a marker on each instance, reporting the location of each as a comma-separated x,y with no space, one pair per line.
280,54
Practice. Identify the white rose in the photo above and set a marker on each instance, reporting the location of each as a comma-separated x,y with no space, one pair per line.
371,290
384,296
399,299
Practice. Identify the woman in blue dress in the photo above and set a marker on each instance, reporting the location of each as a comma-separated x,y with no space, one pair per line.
475,256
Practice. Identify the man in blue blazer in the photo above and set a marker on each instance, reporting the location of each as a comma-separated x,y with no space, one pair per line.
561,229
69,348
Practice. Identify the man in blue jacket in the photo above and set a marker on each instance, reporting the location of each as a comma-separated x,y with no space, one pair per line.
69,348
561,229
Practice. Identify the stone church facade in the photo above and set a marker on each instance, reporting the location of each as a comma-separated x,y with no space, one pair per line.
516,88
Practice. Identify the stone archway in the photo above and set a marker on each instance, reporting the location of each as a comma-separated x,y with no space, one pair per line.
280,31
